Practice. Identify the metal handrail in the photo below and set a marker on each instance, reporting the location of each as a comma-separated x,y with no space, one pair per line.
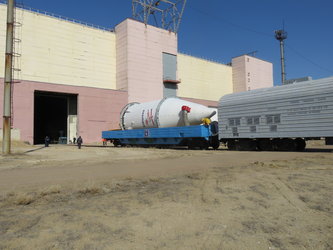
72,20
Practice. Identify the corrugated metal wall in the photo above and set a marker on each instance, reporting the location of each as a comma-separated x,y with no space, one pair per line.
295,110
169,90
169,73
169,66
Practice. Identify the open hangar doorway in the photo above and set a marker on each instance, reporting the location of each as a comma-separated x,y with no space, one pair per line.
55,116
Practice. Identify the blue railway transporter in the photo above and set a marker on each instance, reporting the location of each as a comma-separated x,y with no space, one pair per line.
196,136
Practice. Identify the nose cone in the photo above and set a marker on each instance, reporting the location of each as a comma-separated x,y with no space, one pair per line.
198,112
170,114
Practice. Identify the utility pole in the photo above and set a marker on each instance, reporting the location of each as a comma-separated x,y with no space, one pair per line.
7,93
281,35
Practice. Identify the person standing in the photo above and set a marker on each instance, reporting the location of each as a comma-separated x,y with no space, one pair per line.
47,141
79,141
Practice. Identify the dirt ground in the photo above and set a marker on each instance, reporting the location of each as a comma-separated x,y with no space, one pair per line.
130,198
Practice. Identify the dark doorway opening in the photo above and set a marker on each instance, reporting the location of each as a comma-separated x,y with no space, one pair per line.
50,116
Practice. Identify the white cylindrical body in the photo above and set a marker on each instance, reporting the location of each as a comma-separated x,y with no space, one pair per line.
162,113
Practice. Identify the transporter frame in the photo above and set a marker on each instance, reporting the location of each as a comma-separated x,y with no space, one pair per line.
193,137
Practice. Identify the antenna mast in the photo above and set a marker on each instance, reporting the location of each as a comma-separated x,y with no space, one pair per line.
166,14
281,35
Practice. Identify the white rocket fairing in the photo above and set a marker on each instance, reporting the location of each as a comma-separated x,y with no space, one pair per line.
168,112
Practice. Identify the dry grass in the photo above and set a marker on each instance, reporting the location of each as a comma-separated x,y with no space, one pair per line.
264,205
19,198
54,189
217,209
91,189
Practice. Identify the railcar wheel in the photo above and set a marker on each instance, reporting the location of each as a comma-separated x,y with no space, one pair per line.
117,143
246,145
231,144
284,144
265,145
276,144
300,144
215,143
289,144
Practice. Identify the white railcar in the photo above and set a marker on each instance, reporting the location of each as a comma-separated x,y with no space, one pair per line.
277,118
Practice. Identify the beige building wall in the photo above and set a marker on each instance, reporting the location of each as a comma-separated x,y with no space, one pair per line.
250,73
58,51
202,79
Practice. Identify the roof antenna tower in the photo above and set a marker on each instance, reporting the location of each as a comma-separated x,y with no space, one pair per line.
281,35
166,14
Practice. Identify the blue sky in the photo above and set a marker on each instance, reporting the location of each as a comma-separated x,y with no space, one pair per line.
220,30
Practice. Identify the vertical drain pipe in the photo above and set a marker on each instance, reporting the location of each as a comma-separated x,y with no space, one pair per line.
6,140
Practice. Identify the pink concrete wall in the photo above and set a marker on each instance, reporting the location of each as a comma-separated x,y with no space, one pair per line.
212,104
139,59
259,73
238,74
251,73
98,109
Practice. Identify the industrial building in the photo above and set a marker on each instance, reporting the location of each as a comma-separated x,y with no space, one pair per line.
73,79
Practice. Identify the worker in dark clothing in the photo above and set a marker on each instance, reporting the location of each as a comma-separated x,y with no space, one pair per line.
74,140
47,141
79,141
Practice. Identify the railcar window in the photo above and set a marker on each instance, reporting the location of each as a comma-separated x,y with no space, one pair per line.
273,119
273,128
253,120
277,119
253,129
269,119
256,120
234,121
235,131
